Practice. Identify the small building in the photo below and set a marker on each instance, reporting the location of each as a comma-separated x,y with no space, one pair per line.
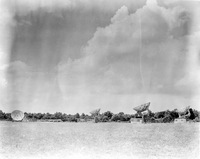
50,120
25,119
55,120
136,120
180,120
81,120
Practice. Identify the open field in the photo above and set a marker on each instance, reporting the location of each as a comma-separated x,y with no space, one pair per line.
101,140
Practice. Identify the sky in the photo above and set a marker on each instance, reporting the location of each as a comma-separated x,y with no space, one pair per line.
79,55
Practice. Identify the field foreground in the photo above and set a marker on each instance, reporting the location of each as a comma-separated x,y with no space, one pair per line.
101,140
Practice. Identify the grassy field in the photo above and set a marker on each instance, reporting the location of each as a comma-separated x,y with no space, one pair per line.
101,140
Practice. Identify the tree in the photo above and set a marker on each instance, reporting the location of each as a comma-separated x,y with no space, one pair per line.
127,117
38,116
159,114
173,114
58,115
121,113
82,116
8,116
108,114
77,115
29,115
88,117
72,118
115,117
167,119
64,117
46,116
196,113
2,114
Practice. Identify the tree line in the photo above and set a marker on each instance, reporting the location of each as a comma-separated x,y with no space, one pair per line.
108,116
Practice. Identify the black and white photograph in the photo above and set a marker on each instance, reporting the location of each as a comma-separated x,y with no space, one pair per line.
99,79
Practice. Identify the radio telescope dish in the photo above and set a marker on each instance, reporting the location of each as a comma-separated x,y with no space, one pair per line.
95,112
142,107
17,115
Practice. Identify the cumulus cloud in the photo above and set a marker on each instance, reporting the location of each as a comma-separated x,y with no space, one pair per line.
6,28
146,52
191,78
29,90
134,45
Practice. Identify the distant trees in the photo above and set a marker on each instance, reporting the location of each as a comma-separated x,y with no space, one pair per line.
196,113
1,114
77,115
162,116
105,119
82,116
121,117
59,115
108,116
5,116
8,116
115,117
159,114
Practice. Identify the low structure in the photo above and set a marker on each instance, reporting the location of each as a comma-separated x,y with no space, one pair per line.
136,120
81,120
25,119
55,120
180,120
141,109
185,114
50,120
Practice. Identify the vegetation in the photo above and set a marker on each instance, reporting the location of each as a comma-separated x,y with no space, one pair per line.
162,116
5,116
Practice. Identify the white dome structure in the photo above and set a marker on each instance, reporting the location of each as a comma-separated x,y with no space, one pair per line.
17,115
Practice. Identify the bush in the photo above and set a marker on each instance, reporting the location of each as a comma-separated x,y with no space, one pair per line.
174,114
105,119
159,115
167,119
108,114
115,117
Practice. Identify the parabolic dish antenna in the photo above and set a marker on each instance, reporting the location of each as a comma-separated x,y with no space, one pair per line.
17,115
142,107
95,112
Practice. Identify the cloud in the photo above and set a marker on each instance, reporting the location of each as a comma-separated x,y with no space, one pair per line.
23,7
191,78
134,45
29,90
6,28
145,53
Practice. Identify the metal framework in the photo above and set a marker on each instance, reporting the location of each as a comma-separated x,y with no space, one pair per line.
141,108
95,112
